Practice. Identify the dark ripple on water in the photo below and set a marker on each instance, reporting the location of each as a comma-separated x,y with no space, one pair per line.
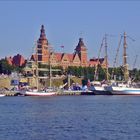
70,117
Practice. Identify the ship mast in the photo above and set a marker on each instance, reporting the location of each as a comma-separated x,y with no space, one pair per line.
50,64
37,74
106,59
98,61
125,65
116,57
50,70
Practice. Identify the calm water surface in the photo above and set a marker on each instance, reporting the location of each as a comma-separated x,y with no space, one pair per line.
70,118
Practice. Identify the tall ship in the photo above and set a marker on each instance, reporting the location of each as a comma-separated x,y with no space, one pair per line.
126,87
98,87
38,59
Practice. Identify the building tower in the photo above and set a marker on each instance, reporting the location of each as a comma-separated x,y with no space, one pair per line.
81,50
42,47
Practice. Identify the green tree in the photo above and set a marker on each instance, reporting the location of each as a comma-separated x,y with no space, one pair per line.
6,68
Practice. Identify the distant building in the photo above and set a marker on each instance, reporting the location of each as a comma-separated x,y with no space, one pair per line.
17,60
77,58
9,60
93,62
45,55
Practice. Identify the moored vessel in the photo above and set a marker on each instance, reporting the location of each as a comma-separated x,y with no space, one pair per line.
123,90
39,93
2,95
126,87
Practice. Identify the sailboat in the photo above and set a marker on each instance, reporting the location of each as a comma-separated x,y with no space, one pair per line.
39,93
96,87
42,45
36,91
124,88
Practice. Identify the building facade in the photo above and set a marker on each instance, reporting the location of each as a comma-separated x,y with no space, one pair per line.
77,58
45,55
17,60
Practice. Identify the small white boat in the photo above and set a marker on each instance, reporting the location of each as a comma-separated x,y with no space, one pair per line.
2,95
39,93
99,90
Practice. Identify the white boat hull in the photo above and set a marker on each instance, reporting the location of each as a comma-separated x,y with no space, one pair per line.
125,91
37,93
2,95
99,90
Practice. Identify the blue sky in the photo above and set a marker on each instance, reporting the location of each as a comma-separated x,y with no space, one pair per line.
65,22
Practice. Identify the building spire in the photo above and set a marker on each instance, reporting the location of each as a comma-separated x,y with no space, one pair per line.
81,46
42,46
42,39
81,43
42,32
81,50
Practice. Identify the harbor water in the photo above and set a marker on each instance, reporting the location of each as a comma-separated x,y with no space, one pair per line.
70,118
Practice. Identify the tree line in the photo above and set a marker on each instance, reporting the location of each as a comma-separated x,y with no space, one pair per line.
83,72
6,68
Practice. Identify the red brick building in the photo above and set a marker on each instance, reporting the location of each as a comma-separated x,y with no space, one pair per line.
44,54
77,58
93,62
17,60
